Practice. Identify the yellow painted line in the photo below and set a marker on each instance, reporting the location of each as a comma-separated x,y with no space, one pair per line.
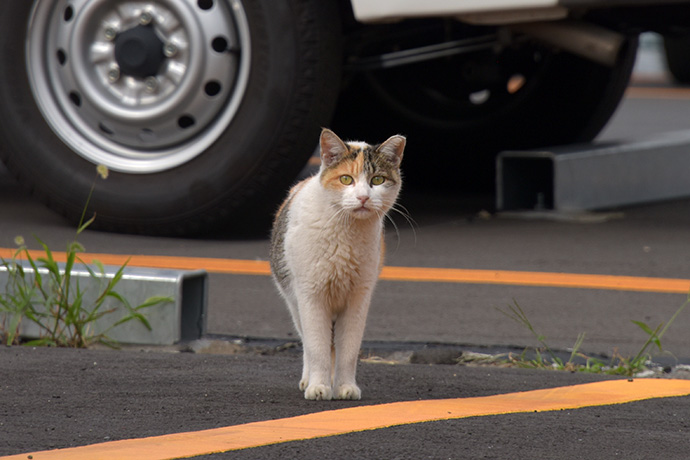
213,265
363,418
520,278
411,274
641,92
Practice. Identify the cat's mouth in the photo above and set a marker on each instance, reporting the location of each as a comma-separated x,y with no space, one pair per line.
362,211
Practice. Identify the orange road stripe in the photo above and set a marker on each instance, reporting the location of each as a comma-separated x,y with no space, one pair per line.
229,266
565,280
363,418
641,92
414,274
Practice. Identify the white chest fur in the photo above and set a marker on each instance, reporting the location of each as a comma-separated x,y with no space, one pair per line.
329,255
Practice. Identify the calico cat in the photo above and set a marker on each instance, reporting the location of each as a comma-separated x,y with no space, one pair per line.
327,252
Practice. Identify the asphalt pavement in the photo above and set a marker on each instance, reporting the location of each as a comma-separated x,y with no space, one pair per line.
59,398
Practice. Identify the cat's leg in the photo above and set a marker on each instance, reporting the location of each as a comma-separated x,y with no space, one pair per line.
348,333
317,333
291,302
304,381
332,360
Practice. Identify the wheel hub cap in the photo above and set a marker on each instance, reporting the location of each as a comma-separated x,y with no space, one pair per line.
139,52
139,86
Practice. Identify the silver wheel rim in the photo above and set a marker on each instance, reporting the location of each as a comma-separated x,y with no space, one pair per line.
138,122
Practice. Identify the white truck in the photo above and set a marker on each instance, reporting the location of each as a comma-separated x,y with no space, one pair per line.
205,111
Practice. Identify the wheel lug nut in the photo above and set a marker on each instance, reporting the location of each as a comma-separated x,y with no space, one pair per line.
110,33
113,74
151,84
170,49
145,18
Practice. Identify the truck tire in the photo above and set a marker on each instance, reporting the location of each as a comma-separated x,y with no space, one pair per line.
203,111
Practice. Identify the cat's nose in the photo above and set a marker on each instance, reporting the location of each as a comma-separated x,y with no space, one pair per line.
363,199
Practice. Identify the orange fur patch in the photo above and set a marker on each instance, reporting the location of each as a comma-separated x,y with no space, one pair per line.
330,178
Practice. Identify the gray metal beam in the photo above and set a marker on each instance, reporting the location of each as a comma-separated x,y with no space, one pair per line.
594,176
183,319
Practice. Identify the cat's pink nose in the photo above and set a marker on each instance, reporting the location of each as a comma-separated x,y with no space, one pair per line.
363,199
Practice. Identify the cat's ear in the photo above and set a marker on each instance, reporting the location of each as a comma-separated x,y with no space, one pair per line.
332,148
393,149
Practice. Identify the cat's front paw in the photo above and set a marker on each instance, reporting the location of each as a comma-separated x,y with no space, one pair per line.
318,392
303,384
348,391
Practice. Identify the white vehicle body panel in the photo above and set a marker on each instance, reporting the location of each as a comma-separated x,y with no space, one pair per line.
389,10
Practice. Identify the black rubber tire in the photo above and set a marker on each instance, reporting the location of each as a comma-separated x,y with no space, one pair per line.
567,99
678,58
234,185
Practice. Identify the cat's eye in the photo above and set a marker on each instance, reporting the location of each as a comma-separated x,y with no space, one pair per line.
346,180
378,180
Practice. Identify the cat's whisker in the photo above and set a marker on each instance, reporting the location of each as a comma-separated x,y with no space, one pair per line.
397,232
345,217
400,209
403,211
338,216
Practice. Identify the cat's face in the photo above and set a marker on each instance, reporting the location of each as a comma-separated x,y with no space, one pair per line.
361,179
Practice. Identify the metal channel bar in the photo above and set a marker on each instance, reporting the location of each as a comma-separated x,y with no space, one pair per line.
594,176
183,319
422,53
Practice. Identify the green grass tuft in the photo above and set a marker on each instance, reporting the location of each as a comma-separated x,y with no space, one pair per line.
546,358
